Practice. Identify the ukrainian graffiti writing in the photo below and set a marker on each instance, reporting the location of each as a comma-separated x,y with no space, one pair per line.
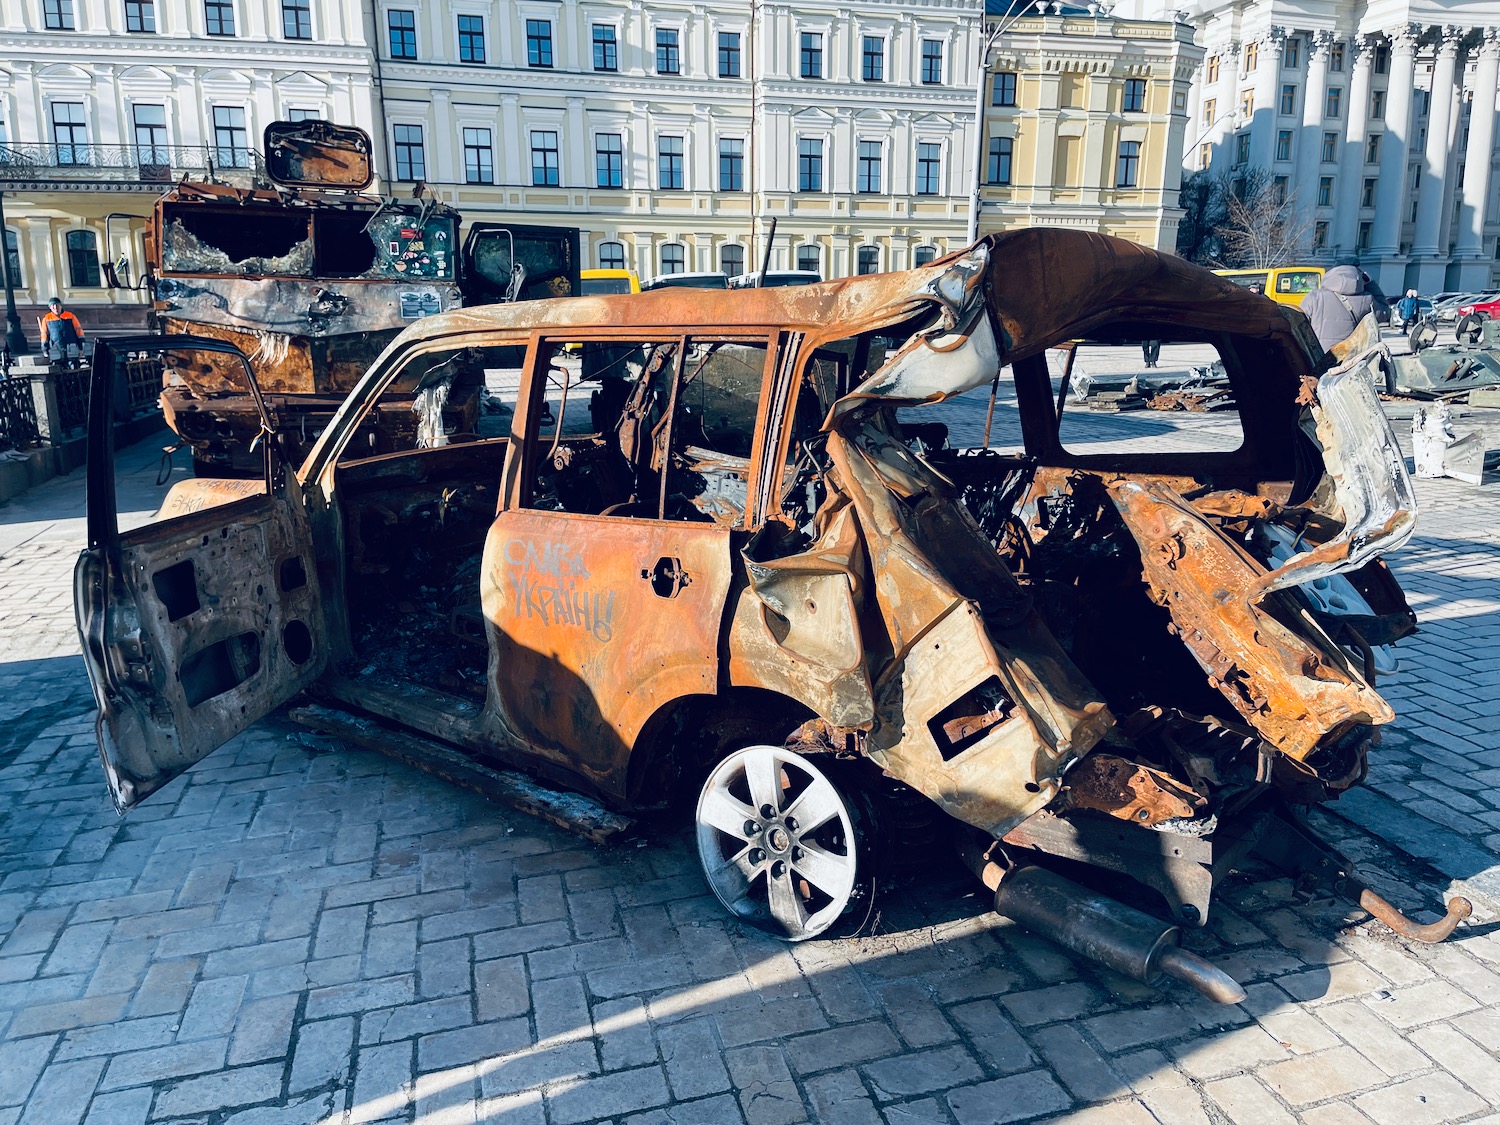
549,581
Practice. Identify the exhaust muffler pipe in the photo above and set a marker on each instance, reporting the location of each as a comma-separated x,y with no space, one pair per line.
1102,929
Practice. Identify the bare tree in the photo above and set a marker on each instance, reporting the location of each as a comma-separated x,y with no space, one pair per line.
1263,224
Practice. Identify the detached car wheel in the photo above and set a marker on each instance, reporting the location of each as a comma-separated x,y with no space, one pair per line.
782,846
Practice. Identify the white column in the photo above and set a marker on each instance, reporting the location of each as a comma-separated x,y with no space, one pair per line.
1226,106
1431,198
1263,122
1352,167
1394,146
578,166
1309,151
1473,269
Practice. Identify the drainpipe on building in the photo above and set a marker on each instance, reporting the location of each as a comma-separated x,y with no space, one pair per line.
15,338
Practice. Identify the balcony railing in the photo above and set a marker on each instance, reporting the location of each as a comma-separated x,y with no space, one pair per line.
84,164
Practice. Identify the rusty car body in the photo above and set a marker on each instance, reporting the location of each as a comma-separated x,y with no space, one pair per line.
734,579
312,279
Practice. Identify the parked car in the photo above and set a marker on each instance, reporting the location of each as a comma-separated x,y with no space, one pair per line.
707,571
604,282
1286,285
773,278
710,280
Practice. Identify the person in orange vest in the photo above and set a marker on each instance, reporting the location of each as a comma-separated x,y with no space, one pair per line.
62,335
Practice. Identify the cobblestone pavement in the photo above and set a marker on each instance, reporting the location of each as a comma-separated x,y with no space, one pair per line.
298,932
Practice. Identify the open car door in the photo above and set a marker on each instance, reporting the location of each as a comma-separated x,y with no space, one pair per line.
194,626
519,262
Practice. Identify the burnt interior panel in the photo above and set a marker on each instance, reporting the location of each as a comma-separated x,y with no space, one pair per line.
177,587
223,665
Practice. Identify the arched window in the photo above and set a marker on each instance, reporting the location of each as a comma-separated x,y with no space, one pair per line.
925,255
13,256
732,259
673,258
810,257
83,259
611,255
868,259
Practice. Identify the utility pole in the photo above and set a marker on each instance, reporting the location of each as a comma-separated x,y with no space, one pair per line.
988,35
15,339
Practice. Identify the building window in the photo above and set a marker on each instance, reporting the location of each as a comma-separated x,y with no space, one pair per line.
668,57
1289,99
1135,95
231,138
932,62
140,16
150,123
1247,104
609,160
868,259
929,169
83,259
296,19
1372,149
1330,148
673,258
1001,150
1320,236
1211,69
1128,164
924,256
867,171
810,257
1365,230
471,38
1279,189
1210,112
669,163
809,164
411,163
479,157
1336,58
402,26
606,52
1284,144
218,17
1334,105
1241,148
1325,191
611,255
873,59
1003,93
732,259
13,257
69,133
731,164
1205,155
58,15
729,54
1377,104
303,114
544,166
1291,53
539,43
1382,58
1367,193
1252,56
812,55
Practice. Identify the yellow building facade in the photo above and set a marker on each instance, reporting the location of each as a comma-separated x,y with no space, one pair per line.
1085,122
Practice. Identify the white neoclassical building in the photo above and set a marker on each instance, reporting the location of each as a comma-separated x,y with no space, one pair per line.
1380,115
671,132
104,102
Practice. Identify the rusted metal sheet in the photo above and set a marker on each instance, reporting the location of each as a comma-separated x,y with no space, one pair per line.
1129,791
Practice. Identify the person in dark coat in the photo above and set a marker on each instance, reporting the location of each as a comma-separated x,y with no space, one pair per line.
1337,305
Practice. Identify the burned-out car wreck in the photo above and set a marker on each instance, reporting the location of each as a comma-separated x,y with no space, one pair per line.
721,559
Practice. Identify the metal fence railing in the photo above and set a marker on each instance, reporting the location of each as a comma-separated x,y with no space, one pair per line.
72,400
18,427
83,163
142,383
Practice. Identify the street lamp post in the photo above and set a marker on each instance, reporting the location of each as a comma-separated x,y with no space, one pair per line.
15,338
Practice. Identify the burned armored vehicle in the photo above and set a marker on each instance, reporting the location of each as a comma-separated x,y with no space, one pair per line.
726,558
312,279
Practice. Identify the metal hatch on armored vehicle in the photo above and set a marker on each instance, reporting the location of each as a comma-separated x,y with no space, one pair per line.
725,560
311,280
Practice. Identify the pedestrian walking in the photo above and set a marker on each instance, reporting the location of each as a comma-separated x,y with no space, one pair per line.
1338,305
62,334
1151,351
1407,307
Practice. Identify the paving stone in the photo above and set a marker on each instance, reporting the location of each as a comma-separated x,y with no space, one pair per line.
1015,1098
1244,1048
383,1081
411,1020
63,1093
67,1015
767,1094
262,1030
691,1055
125,1107
840,1047
464,1045
324,1049
1245,1099
1425,1100
1362,1029
138,1068
608,1095
624,1034
1047,1005
213,1009
721,1110
359,996
921,1072
226,1090
993,1036
1087,1075
1316,1078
